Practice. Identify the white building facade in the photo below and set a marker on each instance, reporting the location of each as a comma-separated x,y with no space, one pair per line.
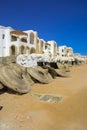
5,40
65,53
15,42
53,48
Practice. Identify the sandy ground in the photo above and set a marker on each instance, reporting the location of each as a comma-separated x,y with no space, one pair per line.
28,112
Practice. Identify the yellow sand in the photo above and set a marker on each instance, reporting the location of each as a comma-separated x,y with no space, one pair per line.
27,112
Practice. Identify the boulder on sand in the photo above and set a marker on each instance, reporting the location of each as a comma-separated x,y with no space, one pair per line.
13,80
57,72
1,86
40,76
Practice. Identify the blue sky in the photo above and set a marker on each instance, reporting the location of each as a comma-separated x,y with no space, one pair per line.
64,21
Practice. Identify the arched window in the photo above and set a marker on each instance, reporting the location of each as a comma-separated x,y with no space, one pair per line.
27,50
37,46
55,51
24,40
31,38
13,50
41,47
37,41
32,50
22,50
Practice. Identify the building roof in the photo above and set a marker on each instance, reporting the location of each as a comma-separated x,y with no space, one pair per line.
18,33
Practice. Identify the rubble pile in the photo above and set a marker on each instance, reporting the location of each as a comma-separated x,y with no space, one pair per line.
32,59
